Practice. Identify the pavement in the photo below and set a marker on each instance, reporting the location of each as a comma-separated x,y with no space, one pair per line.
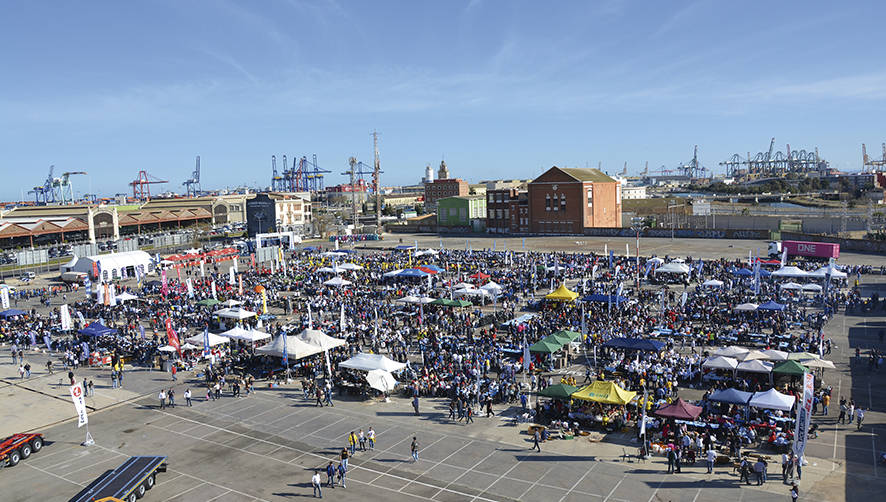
266,446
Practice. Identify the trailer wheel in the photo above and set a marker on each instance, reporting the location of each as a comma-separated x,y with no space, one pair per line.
140,491
26,451
14,458
37,444
132,497
149,483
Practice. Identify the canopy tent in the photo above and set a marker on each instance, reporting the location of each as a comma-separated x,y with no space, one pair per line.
213,340
412,272
125,297
480,275
369,362
744,272
168,348
655,260
427,270
772,400
404,247
295,348
246,335
546,346
746,307
491,286
350,266
799,356
673,268
231,303
604,392
519,320
234,313
392,273
337,282
817,363
720,363
635,344
731,396
464,285
790,271
754,366
562,294
426,252
812,287
320,339
751,355
731,351
416,299
771,305
381,380
334,254
451,303
566,336
330,270
433,268
679,409
97,329
188,346
12,313
208,302
112,265
791,285
616,299
776,355
790,368
822,273
712,283
558,391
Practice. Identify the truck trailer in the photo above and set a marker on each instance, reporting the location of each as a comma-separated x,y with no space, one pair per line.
824,250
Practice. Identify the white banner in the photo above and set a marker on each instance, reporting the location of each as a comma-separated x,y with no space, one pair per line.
202,271
65,315
231,276
79,405
804,413
190,288
4,297
213,288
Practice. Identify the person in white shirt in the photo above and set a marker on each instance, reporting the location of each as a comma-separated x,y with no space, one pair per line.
187,395
712,457
315,483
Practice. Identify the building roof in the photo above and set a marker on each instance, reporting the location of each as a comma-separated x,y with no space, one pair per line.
463,197
592,175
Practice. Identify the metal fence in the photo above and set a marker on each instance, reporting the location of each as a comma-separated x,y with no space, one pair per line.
267,254
32,257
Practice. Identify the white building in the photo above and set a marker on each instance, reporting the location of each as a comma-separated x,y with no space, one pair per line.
633,192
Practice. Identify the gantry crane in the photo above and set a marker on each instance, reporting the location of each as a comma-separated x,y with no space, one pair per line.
65,188
873,165
141,186
192,185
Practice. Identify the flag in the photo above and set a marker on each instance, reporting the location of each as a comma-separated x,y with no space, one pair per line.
526,355
239,284
700,267
618,294
784,256
611,258
213,288
617,270
421,314
594,272
206,350
190,288
80,316
65,318
643,420
804,412
648,268
141,331
4,297
173,337
584,327
375,329
164,283
328,365
106,297
264,301
202,271
757,278
310,321
33,338
683,300
112,295
285,353
231,276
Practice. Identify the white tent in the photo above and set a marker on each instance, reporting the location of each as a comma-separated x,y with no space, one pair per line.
678,260
817,363
773,400
213,340
112,265
823,272
381,380
234,313
673,268
426,252
231,303
295,348
790,271
320,339
746,307
791,285
167,348
350,266
712,283
656,260
776,355
337,282
812,287
125,297
392,273
720,363
492,287
247,335
464,285
188,346
333,254
369,362
408,299
329,270
755,366
751,355
731,351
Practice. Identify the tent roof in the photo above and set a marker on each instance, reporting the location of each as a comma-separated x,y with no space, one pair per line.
746,307
712,283
823,272
295,348
13,312
97,329
773,400
369,362
337,282
605,298
790,368
320,339
562,294
771,305
213,340
751,355
755,366
546,345
248,335
679,409
731,351
234,313
635,344
566,336
732,396
673,268
790,271
604,392
775,355
720,363
791,285
560,391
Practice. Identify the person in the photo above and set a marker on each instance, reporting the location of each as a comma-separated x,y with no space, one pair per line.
786,464
341,475
330,475
536,437
672,458
795,492
328,394
711,458
859,413
678,457
49,366
489,412
415,404
162,398
842,418
745,471
758,471
315,483
798,466
469,415
171,395
344,457
362,438
414,448
173,370
370,435
21,371
217,390
352,443
523,400
187,395
825,402
319,397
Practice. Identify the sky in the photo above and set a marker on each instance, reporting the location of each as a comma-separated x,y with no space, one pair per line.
499,89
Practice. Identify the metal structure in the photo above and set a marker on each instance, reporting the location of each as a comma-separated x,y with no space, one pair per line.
775,164
276,179
192,185
693,169
44,194
376,178
304,175
55,190
352,173
873,166
141,186
65,188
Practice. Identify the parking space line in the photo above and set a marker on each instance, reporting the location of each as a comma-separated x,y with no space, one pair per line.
536,482
219,496
81,485
179,494
462,474
583,476
616,487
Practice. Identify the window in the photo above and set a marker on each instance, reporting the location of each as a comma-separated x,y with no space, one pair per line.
462,214
590,196
555,205
490,197
562,202
453,211
547,202
491,214
506,213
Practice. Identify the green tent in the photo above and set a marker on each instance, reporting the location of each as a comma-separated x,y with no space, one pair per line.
559,391
545,345
565,336
790,368
451,303
209,302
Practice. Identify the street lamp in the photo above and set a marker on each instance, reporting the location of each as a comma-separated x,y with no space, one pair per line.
638,224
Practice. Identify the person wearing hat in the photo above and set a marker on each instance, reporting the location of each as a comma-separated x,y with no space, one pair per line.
795,492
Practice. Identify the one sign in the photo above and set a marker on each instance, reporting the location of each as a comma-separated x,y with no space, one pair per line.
804,413
79,405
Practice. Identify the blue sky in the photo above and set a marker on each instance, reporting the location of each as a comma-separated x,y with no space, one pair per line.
500,88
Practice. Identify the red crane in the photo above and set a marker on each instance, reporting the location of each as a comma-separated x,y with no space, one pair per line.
141,187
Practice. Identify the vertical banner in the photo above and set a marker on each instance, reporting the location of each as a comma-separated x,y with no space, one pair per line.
804,413
173,337
240,285
79,405
341,318
107,295
65,316
202,270
4,297
264,301
190,288
231,276
213,290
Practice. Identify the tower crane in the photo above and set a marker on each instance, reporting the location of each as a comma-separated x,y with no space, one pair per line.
141,186
192,185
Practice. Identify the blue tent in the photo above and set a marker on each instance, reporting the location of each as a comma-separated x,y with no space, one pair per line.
412,272
12,312
771,305
309,248
744,272
635,344
731,396
97,329
435,268
404,247
605,298
765,273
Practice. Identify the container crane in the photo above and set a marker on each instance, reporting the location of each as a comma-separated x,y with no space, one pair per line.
65,188
873,165
277,184
141,186
45,194
192,185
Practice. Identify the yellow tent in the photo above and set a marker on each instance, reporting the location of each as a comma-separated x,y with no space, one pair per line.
604,392
562,294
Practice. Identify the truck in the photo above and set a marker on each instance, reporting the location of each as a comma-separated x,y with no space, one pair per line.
802,248
74,277
127,483
18,447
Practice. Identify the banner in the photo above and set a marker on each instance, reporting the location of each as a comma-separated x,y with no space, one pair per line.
112,295
804,413
79,405
190,288
4,297
173,337
213,289
231,276
239,284
65,316
164,283
264,301
106,297
310,320
341,318
207,351
202,270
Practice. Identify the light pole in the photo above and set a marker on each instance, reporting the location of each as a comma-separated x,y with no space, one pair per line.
638,224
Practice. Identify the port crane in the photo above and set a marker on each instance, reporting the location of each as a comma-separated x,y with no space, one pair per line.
873,165
65,187
192,185
141,186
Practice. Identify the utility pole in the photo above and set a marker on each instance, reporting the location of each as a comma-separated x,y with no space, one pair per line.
376,173
351,172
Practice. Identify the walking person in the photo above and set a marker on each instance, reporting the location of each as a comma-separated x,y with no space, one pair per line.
798,466
330,475
362,439
859,413
489,412
342,470
370,435
171,395
316,484
842,418
162,398
469,414
173,371
414,449
352,443
344,457
795,492
672,458
415,404
187,395
711,458
536,437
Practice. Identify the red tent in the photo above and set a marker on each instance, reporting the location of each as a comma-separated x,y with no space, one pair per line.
680,410
427,270
480,275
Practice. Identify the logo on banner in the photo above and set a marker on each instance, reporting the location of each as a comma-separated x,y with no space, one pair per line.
804,413
79,405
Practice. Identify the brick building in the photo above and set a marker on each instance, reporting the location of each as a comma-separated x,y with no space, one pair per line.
446,187
507,211
568,200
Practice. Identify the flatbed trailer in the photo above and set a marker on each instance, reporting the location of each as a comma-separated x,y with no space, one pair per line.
127,483
18,447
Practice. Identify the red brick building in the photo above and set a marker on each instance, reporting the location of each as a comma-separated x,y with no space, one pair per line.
568,200
507,211
443,188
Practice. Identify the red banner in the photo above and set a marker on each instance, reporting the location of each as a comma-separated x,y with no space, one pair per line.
173,337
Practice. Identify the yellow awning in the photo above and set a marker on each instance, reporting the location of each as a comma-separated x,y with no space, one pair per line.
604,392
562,294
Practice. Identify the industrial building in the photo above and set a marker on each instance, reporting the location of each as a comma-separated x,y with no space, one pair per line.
468,212
278,211
569,200
507,211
